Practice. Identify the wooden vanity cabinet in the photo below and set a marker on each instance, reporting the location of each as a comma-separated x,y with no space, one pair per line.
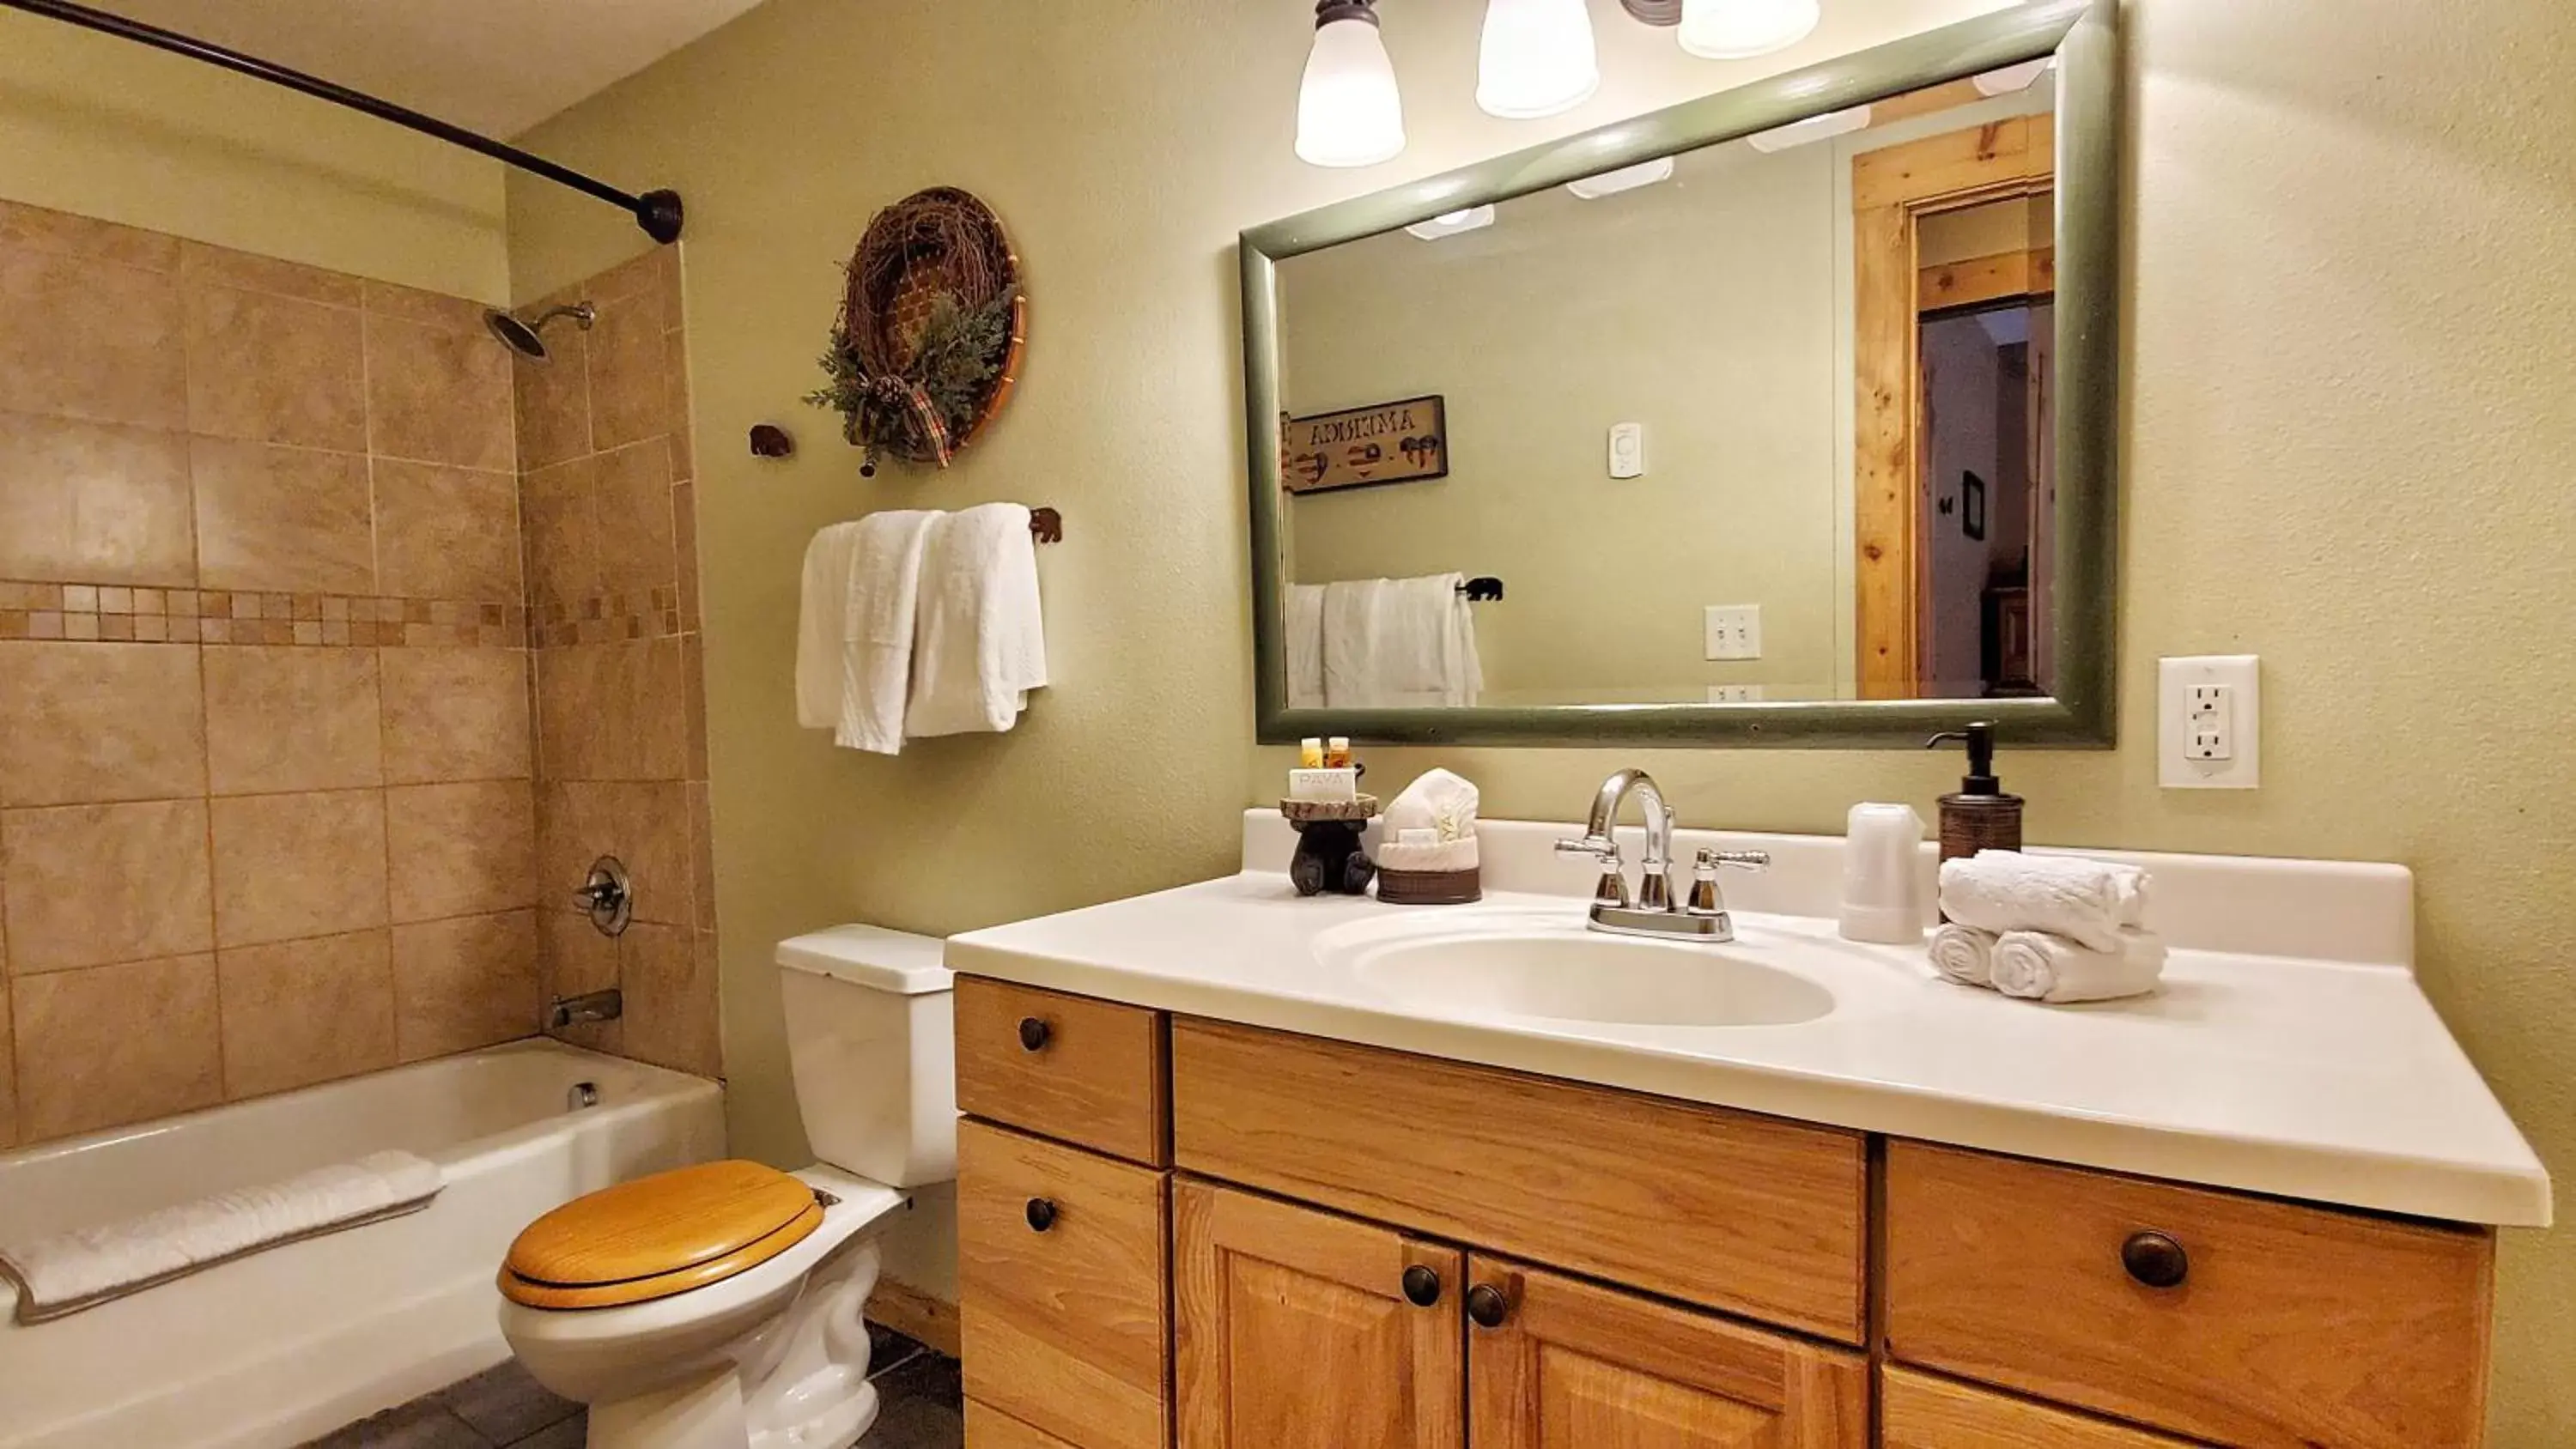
1182,1234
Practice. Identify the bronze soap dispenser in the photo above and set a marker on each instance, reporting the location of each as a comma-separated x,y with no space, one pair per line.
1980,816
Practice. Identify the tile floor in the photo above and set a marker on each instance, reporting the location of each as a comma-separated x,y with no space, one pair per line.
922,1408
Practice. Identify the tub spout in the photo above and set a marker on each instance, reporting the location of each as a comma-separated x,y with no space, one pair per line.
590,1006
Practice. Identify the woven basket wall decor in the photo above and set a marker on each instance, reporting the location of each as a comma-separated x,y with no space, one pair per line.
932,329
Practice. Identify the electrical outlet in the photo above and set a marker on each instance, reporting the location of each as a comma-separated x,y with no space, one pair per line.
1734,631
1734,693
1628,450
2209,718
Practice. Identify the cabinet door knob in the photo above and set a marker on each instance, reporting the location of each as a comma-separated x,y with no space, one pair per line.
2155,1259
1421,1286
1034,1034
1487,1305
1041,1214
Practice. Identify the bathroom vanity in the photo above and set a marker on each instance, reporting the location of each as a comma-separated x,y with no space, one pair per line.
1247,1171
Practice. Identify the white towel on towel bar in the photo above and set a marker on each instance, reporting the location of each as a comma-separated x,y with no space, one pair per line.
1400,644
854,632
980,645
1305,646
67,1272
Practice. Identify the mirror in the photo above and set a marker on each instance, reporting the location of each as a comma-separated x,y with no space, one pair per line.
1782,415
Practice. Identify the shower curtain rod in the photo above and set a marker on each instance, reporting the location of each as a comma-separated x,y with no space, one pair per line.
658,212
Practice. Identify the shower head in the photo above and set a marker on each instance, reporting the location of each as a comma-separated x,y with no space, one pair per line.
523,337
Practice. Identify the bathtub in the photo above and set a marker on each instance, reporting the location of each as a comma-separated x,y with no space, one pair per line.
281,1346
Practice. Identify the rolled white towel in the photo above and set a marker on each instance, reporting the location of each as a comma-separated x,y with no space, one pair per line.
1964,954
2037,966
2089,901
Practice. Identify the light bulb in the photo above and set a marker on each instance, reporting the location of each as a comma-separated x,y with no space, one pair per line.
1537,58
1349,112
1740,29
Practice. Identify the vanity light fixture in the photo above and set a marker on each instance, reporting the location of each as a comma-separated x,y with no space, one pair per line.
1814,128
1349,112
1450,223
2014,79
1742,29
1626,178
1537,58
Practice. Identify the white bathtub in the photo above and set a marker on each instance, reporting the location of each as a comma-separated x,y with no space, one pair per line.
282,1346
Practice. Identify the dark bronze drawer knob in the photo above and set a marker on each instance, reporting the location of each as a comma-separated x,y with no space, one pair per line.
1487,1305
1034,1034
1041,1215
2155,1260
1421,1286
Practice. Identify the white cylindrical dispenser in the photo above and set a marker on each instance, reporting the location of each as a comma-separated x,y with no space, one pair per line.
1883,875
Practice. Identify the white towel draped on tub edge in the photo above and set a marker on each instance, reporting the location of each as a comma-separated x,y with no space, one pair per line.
64,1273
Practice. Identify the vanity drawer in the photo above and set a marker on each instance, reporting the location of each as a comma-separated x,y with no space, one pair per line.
2289,1325
1919,1411
990,1428
1062,1274
1737,1212
1070,1067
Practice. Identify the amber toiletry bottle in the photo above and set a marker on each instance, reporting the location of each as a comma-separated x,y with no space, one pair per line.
1980,816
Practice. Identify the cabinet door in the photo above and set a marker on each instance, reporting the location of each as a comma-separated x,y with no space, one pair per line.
1558,1364
1297,1329
1923,1412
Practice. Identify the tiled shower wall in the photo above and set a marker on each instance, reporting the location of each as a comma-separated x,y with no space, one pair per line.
266,814
606,468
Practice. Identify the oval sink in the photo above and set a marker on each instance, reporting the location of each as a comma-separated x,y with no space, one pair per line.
1576,975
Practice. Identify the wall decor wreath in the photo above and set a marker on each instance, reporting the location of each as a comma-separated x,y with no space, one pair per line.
932,328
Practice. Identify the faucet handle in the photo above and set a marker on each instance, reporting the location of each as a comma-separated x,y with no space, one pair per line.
1710,858
1600,847
1612,889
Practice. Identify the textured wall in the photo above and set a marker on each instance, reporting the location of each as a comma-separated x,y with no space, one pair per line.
2348,240
107,128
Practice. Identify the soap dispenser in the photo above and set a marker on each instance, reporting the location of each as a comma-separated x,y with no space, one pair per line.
1980,816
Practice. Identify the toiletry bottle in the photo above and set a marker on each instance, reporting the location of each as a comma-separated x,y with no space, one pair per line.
1883,875
1980,816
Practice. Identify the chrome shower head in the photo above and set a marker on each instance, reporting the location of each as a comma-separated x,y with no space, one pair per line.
523,337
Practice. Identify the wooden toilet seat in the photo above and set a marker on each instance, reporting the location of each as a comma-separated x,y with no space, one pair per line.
659,1236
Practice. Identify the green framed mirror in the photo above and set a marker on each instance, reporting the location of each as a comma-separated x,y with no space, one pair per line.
1785,416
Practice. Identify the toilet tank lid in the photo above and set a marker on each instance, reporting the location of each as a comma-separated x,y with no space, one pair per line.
871,956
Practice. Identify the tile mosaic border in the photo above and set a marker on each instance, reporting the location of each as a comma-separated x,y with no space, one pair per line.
607,618
121,614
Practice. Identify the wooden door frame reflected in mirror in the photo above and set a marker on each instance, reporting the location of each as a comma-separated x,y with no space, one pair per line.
2080,710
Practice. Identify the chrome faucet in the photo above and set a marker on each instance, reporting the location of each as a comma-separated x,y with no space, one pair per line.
568,1011
1653,911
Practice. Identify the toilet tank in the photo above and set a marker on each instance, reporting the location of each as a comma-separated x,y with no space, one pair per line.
871,1040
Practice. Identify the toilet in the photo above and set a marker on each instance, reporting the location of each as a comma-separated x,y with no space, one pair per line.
719,1306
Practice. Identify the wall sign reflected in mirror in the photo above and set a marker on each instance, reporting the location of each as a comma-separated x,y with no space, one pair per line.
1775,418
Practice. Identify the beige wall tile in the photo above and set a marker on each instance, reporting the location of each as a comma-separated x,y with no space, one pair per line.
201,265
644,825
8,1073
86,885
575,959
612,711
280,719
465,983
633,507
435,309
552,398
38,229
653,271
670,1017
455,714
675,404
287,519
459,850
438,396
81,723
629,398
702,858
92,339
115,1044
446,533
275,369
559,505
96,502
291,866
302,1012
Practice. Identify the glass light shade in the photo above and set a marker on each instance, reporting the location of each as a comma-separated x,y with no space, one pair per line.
1349,112
1537,58
1450,223
2014,78
1626,178
1814,128
1738,29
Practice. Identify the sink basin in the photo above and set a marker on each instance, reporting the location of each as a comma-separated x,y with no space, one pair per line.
1545,966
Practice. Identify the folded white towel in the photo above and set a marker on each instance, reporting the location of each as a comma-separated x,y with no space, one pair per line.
67,1272
2037,966
2085,900
1400,644
1964,954
822,621
1305,646
981,642
877,630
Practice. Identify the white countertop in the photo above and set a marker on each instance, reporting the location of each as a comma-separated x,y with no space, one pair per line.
2328,1080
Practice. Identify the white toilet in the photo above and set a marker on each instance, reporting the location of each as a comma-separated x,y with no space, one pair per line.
718,1307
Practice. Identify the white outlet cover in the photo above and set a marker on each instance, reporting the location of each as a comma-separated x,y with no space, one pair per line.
2240,678
1628,450
1735,693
